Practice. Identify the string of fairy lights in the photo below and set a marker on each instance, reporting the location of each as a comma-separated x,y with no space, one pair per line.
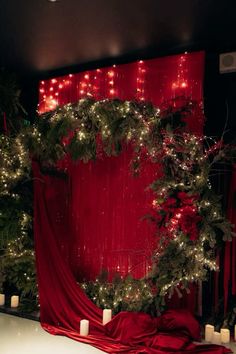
14,163
108,82
128,294
15,247
75,128
15,167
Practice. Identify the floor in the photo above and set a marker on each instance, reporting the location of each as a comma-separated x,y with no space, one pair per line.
23,336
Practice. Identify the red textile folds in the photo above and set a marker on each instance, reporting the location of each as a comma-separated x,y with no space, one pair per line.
187,301
216,284
136,333
58,291
64,304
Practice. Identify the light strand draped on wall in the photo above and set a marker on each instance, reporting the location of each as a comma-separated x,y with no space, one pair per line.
155,80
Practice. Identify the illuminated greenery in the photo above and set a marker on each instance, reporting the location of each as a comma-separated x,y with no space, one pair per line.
189,221
126,294
17,270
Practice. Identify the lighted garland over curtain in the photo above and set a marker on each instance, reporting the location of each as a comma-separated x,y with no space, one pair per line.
189,221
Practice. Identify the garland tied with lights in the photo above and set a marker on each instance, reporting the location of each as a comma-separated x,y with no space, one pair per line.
17,259
187,213
17,269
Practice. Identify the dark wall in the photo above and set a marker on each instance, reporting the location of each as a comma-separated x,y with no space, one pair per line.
29,95
220,112
220,100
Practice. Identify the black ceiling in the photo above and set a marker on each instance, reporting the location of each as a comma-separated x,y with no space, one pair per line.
38,37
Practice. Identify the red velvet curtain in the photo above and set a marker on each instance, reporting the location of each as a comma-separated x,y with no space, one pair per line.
92,220
58,291
64,304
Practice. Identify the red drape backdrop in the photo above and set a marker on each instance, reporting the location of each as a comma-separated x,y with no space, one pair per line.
93,219
155,80
107,203
64,304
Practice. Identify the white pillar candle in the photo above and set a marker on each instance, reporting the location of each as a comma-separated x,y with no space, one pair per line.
209,329
15,301
216,338
106,316
225,335
2,299
84,327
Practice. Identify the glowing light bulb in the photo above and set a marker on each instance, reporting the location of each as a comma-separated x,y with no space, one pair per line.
111,73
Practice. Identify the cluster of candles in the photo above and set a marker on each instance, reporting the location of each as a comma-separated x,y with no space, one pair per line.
14,300
84,324
222,337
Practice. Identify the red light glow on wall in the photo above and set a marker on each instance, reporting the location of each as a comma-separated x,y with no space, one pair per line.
143,80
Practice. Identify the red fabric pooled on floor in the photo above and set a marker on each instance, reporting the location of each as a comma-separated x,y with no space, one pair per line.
181,321
132,328
137,333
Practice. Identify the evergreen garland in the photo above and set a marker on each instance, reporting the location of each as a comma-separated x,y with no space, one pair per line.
17,269
189,221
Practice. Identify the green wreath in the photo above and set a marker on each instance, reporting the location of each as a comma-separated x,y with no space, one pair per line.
190,224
